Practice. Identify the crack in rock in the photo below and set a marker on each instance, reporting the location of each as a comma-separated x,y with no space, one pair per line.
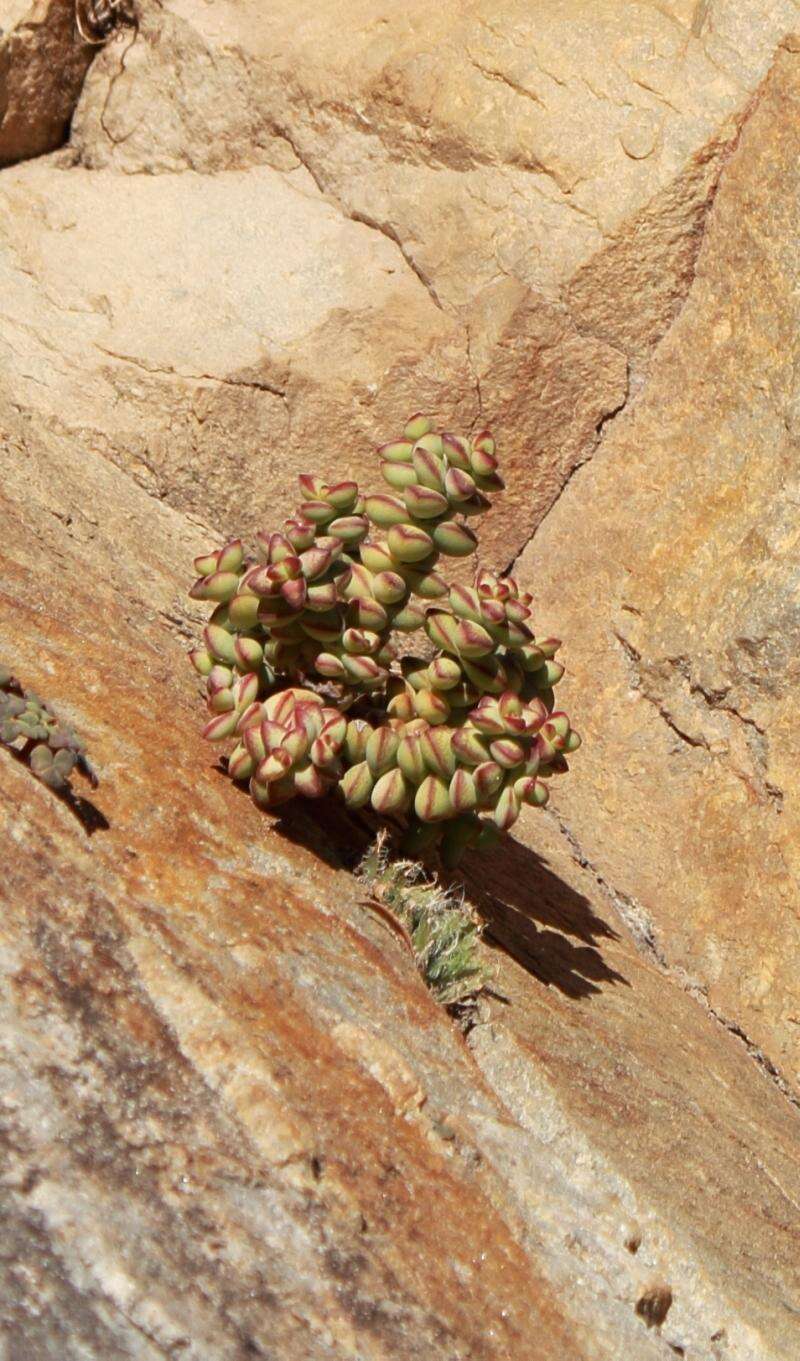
643,934
755,736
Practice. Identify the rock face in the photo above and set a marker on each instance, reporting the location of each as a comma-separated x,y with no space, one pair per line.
475,222
685,653
233,1121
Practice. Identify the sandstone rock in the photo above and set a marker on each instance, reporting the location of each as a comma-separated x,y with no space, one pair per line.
490,141
43,62
536,252
679,543
235,1123
216,335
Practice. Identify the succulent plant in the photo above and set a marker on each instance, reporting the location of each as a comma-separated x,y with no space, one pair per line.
307,671
440,927
29,726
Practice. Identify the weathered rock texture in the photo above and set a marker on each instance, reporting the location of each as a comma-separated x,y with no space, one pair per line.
483,212
684,659
43,62
233,1123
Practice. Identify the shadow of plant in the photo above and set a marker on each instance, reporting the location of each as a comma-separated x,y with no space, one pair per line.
528,911
86,812
531,914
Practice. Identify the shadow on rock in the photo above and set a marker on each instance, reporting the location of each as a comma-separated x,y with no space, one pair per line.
324,826
528,911
531,914
88,814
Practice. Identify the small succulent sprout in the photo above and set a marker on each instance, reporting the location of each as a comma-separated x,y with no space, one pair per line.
428,585
429,469
248,653
456,451
310,781
432,706
221,726
416,426
463,792
218,586
220,643
397,451
389,588
465,602
299,533
201,660
471,639
363,671
318,512
231,557
489,777
205,564
553,672
452,744
243,611
322,597
431,443
41,760
423,503
399,475
376,556
366,613
400,705
442,629
29,726
487,674
444,673
409,617
411,758
385,511
342,496
470,746
506,752
357,735
315,561
507,809
381,749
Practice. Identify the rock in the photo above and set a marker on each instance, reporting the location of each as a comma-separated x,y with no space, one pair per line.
216,335
489,142
465,231
234,1120
679,546
43,62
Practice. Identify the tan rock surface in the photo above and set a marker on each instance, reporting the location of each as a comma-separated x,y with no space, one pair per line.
679,596
235,1123
521,242
216,335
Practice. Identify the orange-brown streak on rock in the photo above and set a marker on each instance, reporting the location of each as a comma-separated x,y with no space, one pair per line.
132,936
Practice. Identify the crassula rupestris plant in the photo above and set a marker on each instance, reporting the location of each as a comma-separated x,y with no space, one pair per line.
309,672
